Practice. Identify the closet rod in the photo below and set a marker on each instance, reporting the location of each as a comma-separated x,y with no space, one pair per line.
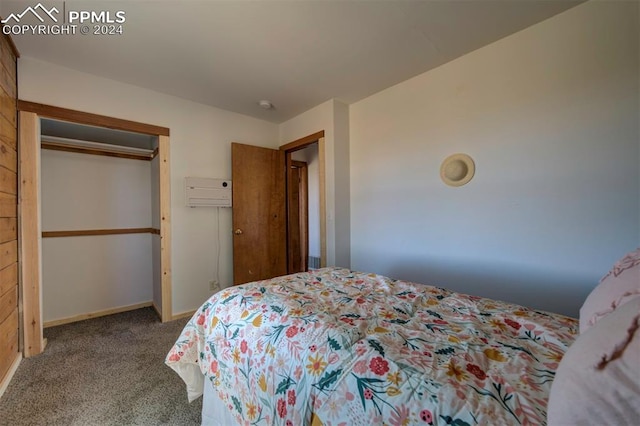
89,232
98,148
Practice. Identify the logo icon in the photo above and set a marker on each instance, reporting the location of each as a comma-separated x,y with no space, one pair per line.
34,11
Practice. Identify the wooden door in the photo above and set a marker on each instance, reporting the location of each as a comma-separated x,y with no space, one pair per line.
9,355
259,213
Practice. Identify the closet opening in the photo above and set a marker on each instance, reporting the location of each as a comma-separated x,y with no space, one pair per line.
98,206
95,218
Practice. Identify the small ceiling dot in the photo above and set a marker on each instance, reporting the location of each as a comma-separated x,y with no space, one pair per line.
264,104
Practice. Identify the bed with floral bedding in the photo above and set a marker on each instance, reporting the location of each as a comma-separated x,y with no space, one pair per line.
338,347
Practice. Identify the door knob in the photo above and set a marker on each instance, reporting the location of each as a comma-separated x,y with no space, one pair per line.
238,231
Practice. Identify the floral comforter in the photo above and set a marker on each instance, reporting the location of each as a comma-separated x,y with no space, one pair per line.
337,347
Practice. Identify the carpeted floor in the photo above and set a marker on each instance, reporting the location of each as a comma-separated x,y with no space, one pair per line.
103,371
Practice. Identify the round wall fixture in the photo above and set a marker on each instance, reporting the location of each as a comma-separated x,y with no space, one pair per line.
457,169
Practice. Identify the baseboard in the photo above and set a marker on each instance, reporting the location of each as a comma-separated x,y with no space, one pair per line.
90,315
4,384
187,314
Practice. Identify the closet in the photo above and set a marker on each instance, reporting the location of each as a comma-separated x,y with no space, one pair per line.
95,213
97,220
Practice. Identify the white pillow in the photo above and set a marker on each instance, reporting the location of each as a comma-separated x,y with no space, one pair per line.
619,286
598,379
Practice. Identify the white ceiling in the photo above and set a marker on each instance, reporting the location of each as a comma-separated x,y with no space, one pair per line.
297,54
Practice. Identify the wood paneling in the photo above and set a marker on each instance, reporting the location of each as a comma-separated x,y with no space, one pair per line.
7,132
8,107
91,119
8,303
8,181
4,382
6,81
9,56
8,229
9,48
8,205
8,278
8,253
10,324
9,340
8,157
9,74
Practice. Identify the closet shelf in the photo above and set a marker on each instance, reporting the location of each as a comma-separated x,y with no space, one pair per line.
96,148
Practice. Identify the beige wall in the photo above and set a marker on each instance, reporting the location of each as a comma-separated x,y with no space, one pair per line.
95,273
200,146
550,116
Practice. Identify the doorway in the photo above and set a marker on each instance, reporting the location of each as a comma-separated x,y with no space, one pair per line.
261,246
298,218
306,240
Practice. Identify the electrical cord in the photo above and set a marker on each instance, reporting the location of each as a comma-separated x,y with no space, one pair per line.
218,252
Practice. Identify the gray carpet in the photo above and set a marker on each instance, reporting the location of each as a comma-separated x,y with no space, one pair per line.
103,371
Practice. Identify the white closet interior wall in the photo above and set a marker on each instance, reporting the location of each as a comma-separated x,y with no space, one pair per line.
88,274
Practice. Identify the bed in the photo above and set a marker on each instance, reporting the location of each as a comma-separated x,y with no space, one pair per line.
338,347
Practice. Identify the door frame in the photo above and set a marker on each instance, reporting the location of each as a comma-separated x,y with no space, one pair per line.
296,145
303,215
29,210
